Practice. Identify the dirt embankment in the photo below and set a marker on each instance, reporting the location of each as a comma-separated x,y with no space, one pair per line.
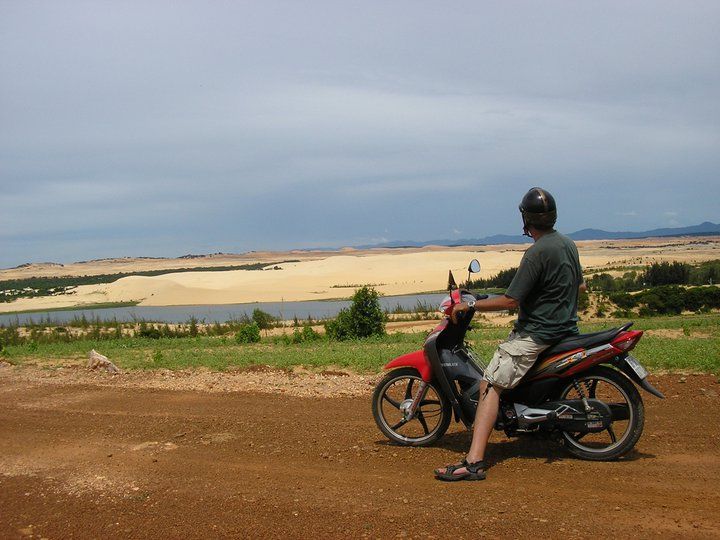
83,458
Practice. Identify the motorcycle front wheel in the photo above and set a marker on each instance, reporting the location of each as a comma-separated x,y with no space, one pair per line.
619,392
394,394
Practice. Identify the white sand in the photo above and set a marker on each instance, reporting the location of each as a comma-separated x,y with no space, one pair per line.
336,275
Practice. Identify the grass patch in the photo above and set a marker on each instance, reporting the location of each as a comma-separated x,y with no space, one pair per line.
697,349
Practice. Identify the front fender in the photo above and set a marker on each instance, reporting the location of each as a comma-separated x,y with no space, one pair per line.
415,360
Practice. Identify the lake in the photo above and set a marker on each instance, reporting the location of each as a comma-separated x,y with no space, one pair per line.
318,309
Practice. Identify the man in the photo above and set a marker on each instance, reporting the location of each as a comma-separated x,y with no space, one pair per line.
545,290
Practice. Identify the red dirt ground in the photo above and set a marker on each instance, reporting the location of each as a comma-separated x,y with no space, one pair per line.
92,461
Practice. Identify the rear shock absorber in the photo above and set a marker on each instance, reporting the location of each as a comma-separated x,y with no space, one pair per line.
580,391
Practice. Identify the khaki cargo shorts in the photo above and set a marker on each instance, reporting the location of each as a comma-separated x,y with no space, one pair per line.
512,360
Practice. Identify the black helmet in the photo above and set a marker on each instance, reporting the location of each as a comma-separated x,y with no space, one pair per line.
538,210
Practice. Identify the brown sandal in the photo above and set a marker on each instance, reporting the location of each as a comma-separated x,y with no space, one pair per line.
473,471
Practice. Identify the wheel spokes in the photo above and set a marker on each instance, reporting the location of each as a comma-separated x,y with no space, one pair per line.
613,396
400,424
423,423
620,411
391,401
429,412
592,388
408,390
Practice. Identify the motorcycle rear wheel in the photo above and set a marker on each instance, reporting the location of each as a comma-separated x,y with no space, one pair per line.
395,391
614,387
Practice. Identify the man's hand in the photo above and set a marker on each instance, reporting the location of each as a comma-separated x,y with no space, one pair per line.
496,303
458,311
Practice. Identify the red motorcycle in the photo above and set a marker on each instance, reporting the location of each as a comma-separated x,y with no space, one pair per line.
581,390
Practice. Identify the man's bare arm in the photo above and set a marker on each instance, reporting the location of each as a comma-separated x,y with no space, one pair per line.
496,303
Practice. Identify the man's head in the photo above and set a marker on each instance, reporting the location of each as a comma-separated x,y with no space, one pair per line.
538,210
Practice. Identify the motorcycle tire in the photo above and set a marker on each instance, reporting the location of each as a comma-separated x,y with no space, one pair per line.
616,447
434,403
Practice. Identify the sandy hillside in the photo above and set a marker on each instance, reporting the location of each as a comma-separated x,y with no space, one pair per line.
320,275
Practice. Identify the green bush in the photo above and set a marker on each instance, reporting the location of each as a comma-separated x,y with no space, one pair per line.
583,301
706,273
263,319
308,334
669,300
341,328
149,332
500,281
363,319
675,273
248,333
297,336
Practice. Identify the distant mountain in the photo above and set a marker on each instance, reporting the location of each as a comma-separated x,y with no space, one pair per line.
596,234
584,234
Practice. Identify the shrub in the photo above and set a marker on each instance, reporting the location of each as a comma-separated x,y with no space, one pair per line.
363,319
340,328
248,333
583,301
297,336
624,300
263,319
193,327
149,332
675,273
500,281
308,334
706,273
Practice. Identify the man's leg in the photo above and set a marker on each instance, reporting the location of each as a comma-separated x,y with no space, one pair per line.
485,418
511,361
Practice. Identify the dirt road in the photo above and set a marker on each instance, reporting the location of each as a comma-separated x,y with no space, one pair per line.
93,461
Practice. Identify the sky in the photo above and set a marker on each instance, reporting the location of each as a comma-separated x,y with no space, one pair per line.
167,128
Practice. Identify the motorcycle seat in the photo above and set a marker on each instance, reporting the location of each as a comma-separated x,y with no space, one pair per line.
583,341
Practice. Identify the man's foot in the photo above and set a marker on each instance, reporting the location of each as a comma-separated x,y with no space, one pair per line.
462,471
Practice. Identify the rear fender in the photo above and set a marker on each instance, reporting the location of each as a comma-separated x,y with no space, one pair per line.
642,383
414,360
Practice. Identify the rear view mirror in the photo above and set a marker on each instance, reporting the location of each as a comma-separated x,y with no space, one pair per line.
474,266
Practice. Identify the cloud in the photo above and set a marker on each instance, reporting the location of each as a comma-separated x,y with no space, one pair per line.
262,126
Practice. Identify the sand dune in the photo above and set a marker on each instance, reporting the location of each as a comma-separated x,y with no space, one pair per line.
336,275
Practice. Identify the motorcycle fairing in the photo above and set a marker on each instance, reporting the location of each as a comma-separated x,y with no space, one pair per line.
568,363
415,360
431,353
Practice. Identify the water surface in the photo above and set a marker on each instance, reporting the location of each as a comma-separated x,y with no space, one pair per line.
317,309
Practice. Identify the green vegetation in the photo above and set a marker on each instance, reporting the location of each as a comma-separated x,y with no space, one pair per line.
500,281
248,333
363,319
51,286
662,289
669,299
356,338
263,320
657,275
679,342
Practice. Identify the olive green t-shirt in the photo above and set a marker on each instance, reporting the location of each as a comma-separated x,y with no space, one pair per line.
546,287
